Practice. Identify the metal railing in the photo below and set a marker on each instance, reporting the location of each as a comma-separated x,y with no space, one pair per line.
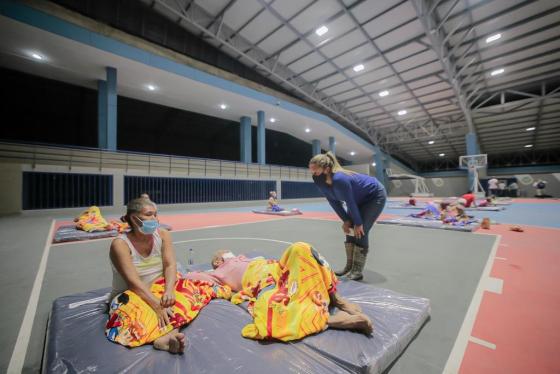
71,157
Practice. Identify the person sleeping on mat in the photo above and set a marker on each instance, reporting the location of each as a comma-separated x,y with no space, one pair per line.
91,220
289,298
489,201
149,303
433,210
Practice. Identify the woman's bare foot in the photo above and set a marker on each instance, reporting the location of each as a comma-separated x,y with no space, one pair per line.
346,306
356,322
173,342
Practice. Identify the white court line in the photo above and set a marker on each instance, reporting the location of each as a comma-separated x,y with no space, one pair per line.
22,342
501,258
483,343
458,352
174,231
206,239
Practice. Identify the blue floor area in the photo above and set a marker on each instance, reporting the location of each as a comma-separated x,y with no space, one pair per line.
535,214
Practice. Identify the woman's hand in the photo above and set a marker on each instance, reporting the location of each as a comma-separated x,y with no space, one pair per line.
359,231
163,315
168,299
346,227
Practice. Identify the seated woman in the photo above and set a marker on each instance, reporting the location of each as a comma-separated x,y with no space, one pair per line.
288,299
149,304
273,203
468,200
456,215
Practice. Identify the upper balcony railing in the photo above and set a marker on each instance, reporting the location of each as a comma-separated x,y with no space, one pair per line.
135,162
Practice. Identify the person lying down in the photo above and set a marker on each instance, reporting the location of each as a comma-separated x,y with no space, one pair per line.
289,298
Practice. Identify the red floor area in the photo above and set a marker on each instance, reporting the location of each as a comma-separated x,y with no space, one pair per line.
523,321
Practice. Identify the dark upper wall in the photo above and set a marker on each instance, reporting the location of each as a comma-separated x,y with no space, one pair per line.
136,18
48,111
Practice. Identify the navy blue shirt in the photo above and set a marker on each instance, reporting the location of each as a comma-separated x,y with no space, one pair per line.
353,189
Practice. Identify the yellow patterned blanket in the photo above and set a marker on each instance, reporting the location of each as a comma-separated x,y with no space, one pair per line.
132,322
288,299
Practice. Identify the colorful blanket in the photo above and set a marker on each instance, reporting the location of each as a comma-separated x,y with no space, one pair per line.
91,220
288,299
132,322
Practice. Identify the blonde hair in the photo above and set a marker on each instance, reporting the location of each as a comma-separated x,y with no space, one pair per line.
328,160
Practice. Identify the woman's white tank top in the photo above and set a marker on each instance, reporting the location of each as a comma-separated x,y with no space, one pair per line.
149,268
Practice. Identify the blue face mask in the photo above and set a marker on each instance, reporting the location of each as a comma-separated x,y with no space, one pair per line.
148,227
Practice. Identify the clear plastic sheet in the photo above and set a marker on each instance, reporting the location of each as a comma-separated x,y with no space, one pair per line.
432,224
69,233
76,341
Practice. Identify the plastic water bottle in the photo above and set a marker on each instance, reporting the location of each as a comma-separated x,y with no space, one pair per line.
190,259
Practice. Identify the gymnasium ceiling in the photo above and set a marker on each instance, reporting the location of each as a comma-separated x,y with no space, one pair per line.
415,75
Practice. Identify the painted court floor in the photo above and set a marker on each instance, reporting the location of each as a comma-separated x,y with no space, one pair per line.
495,294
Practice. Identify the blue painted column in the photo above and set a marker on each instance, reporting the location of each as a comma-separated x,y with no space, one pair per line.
261,138
316,146
107,111
102,114
245,139
472,149
380,166
332,145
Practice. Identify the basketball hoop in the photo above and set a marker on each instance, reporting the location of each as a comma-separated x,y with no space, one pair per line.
472,163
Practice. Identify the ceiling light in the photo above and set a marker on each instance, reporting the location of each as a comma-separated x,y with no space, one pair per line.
373,164
402,112
529,146
383,93
530,129
308,130
431,142
496,72
151,87
358,68
321,30
36,56
273,120
493,38
441,154
223,106
352,153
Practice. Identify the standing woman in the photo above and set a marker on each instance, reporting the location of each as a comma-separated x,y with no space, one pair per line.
364,197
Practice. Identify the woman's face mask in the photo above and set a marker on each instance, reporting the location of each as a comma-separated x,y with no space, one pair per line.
147,227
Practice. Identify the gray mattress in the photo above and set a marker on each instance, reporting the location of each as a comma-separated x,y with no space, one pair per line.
280,213
429,223
76,341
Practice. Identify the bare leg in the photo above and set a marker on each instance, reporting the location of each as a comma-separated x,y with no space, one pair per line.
357,322
345,305
173,342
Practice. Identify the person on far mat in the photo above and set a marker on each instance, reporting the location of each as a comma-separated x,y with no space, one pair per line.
365,198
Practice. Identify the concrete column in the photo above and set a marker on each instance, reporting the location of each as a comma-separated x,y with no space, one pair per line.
316,146
332,145
380,166
245,139
261,138
107,111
